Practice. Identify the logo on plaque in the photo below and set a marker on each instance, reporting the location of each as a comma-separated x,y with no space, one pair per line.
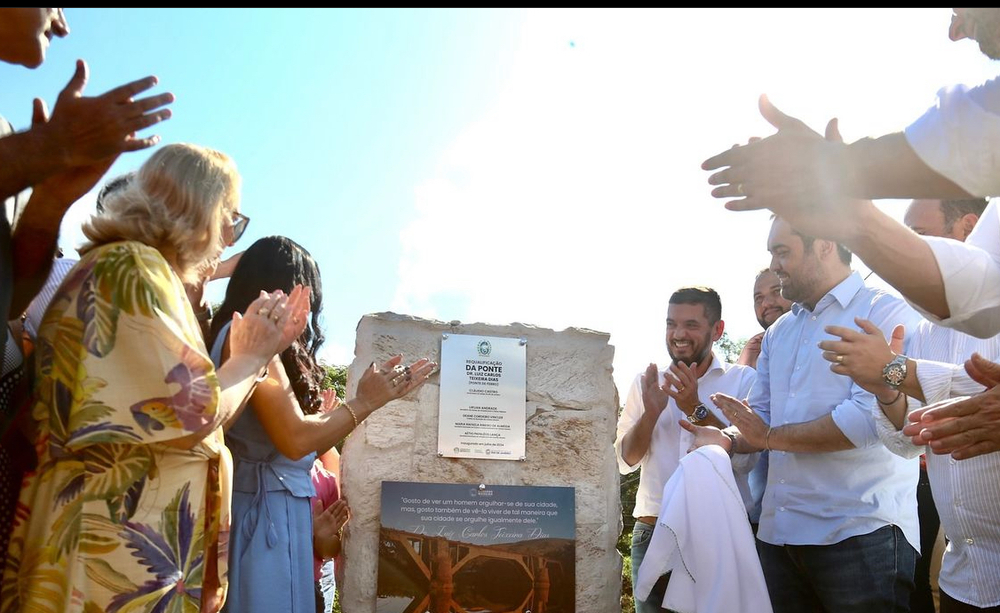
484,347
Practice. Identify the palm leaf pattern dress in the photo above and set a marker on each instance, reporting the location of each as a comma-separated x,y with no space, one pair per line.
114,518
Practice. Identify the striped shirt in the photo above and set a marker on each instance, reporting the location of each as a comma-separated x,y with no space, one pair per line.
966,492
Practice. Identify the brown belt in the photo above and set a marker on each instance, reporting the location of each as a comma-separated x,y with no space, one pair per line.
649,520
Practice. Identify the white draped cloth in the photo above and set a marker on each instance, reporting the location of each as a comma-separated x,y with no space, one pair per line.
703,537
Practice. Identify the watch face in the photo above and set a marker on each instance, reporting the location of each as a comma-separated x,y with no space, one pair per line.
700,412
894,374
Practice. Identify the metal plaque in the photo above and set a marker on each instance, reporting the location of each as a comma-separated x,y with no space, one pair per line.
482,411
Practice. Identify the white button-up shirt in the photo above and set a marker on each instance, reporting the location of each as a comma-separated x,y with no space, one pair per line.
959,138
824,498
966,492
971,274
670,442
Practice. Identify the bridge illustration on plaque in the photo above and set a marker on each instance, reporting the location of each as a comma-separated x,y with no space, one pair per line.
448,548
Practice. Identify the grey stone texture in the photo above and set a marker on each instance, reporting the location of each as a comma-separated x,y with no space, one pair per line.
571,413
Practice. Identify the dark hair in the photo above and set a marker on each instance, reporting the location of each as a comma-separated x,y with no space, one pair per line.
111,187
270,264
807,241
705,296
954,210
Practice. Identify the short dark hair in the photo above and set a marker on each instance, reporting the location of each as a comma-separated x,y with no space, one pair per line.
842,251
698,294
954,210
112,186
807,241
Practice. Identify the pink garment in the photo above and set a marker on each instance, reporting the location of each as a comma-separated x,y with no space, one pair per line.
327,493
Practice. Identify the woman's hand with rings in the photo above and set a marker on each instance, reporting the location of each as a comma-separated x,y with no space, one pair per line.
392,380
294,316
254,333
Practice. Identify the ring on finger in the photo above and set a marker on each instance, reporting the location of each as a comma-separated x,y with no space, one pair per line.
263,311
839,358
739,189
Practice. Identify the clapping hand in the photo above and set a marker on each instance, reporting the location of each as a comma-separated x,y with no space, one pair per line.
327,526
329,400
382,384
751,426
963,427
682,385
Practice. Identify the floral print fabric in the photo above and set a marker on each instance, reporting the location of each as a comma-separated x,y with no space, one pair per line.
119,516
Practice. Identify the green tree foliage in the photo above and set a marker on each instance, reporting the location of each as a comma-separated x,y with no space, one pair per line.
629,485
336,379
730,349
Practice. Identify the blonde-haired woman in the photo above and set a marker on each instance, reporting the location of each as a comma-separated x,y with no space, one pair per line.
126,509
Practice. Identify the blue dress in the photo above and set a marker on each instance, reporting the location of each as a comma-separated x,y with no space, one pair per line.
270,543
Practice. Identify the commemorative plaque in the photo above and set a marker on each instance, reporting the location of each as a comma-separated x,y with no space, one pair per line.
482,397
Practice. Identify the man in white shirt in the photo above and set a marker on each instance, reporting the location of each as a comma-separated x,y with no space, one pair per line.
649,436
949,152
966,494
838,527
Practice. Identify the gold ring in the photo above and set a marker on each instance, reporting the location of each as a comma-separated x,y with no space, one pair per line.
739,189
263,311
839,358
680,389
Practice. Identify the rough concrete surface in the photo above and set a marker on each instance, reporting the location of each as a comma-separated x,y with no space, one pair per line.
571,412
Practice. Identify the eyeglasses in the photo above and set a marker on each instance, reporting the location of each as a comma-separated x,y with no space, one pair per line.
239,226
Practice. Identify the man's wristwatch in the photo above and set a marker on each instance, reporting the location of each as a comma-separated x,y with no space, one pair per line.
894,373
699,414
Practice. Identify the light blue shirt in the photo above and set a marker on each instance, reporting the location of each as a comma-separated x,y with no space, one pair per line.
824,498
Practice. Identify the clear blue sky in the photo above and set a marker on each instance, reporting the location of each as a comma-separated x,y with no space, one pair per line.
330,115
497,165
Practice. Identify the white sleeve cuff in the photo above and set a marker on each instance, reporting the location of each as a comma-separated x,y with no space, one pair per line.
893,439
935,379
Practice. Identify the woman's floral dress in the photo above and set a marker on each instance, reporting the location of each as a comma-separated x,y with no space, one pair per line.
115,518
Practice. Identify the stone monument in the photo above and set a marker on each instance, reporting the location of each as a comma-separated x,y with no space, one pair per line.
571,411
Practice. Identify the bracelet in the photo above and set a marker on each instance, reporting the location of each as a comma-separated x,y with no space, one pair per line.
767,439
262,377
732,442
351,411
891,402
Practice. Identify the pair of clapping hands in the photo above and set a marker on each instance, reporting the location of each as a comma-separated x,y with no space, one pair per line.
274,320
963,427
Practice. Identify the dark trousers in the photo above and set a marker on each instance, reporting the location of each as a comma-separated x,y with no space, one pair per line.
950,605
870,573
922,601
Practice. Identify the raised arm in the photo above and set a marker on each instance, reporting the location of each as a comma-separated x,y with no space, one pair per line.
62,158
296,434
